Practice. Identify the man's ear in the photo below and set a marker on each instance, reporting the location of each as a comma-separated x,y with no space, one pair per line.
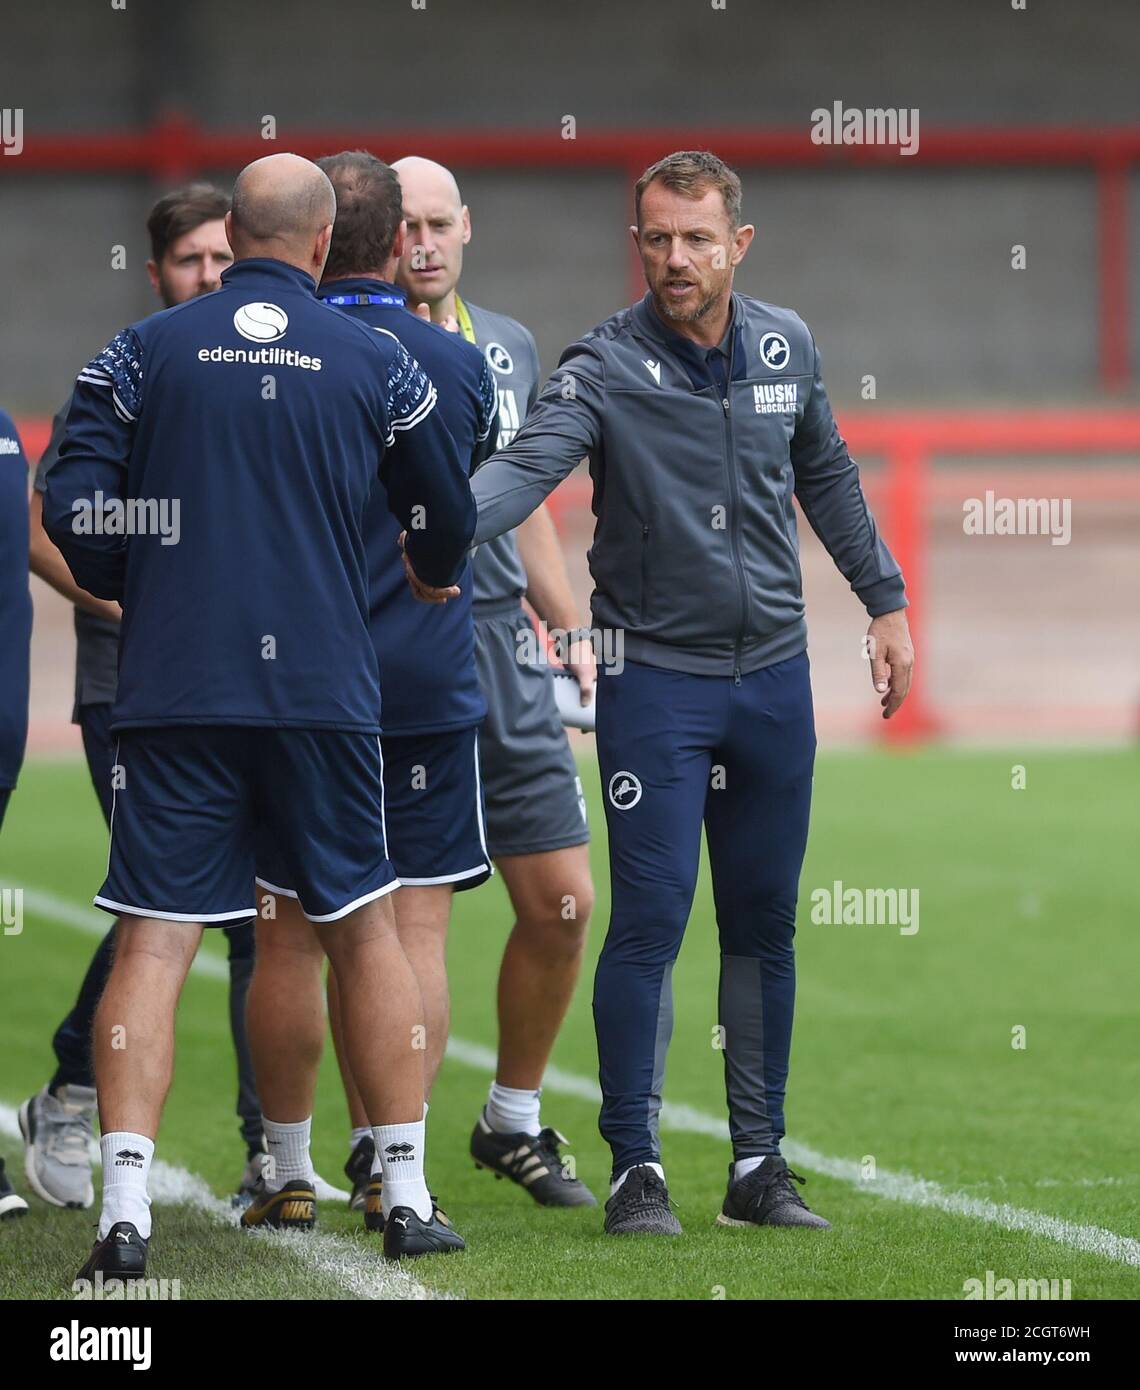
399,241
466,224
230,231
152,276
636,238
742,241
321,248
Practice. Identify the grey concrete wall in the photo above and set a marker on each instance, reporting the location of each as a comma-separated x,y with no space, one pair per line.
903,273
619,62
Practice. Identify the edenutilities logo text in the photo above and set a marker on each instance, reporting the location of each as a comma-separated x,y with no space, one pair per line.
261,323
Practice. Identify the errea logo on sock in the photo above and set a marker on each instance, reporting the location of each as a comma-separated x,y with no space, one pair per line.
129,1158
401,1153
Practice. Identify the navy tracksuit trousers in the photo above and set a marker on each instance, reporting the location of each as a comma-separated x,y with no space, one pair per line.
677,751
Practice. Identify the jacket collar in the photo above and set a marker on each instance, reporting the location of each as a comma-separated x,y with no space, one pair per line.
649,323
265,269
360,284
693,357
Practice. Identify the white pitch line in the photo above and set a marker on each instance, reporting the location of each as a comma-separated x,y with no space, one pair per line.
892,1186
328,1255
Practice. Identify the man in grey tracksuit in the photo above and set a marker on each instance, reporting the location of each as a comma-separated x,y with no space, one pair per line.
702,412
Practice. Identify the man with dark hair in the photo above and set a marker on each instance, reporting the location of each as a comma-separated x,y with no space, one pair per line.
369,212
431,704
169,224
189,252
249,690
536,810
703,412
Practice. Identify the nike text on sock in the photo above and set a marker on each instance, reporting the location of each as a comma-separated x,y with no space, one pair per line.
617,1182
126,1168
400,1149
512,1111
288,1146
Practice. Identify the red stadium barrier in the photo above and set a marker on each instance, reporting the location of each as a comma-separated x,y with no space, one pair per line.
902,493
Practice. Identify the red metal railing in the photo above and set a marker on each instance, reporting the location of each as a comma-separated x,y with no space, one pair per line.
905,490
174,148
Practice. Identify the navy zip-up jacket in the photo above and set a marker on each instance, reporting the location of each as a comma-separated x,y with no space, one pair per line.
237,438
428,677
15,602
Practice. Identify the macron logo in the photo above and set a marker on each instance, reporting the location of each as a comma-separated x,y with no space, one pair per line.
654,369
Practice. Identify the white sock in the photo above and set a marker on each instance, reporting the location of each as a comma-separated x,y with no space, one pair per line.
512,1112
288,1147
377,1166
744,1166
126,1168
657,1168
359,1133
400,1149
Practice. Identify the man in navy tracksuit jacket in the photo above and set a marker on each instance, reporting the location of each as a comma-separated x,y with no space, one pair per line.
15,640
702,412
432,702
15,607
217,465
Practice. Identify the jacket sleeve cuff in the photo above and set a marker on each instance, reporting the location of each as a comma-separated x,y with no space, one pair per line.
884,596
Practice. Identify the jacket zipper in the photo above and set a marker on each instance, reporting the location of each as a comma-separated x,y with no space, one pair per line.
737,519
644,569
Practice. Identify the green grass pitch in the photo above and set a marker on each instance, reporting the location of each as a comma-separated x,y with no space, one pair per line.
903,1054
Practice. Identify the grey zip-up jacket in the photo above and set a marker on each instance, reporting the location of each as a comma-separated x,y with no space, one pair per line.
695,554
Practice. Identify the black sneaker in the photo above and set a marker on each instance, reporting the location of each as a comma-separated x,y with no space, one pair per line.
641,1206
406,1236
358,1170
121,1254
531,1160
11,1203
292,1208
766,1197
374,1206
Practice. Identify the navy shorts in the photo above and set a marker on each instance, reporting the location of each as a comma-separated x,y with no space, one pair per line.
433,799
192,806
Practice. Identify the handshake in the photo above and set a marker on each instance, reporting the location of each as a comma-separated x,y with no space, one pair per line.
426,593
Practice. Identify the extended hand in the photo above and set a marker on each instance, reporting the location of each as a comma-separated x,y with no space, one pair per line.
451,323
582,662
